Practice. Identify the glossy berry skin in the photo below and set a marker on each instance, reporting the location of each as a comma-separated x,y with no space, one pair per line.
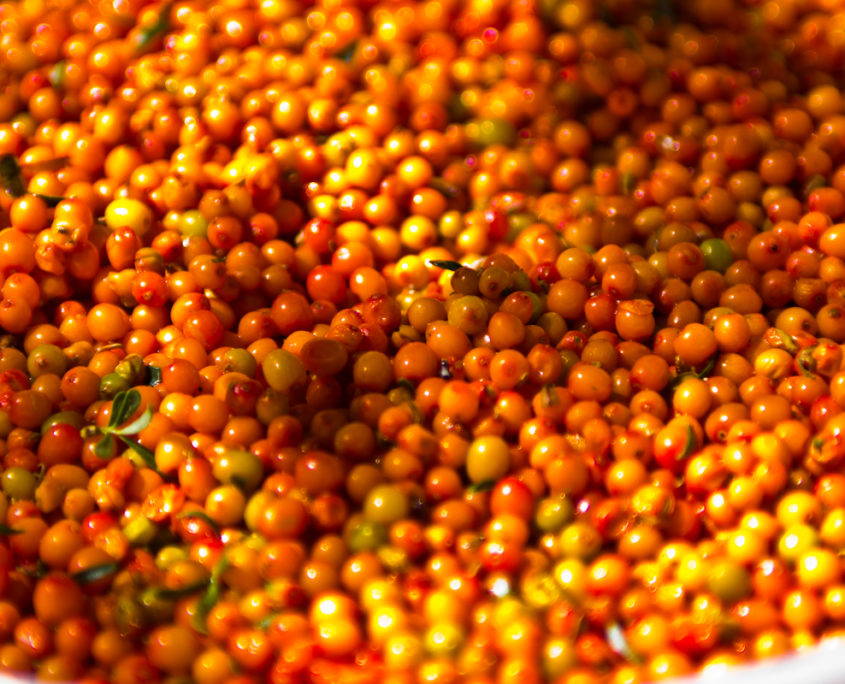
419,342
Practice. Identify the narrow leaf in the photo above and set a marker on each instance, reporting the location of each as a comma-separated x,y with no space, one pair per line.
11,177
56,75
49,200
103,448
445,263
116,417
94,573
691,444
6,530
146,455
348,52
155,30
212,593
136,425
704,372
124,404
200,515
483,486
154,376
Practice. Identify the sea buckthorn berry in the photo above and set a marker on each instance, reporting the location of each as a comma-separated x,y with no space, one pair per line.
129,213
488,459
306,319
695,344
283,370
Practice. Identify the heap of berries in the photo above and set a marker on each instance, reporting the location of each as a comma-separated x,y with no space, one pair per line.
420,341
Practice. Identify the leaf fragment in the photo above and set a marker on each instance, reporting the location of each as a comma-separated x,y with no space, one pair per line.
153,376
136,425
692,443
445,264
124,404
94,573
155,30
103,448
11,176
212,594
146,455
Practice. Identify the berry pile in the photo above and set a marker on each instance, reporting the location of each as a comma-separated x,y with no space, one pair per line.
420,342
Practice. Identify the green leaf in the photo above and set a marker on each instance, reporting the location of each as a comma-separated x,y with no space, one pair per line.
6,530
56,75
136,425
200,515
678,379
212,593
95,573
483,486
124,404
348,52
49,200
691,444
11,177
154,376
103,448
117,413
707,368
146,455
445,263
406,384
155,30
